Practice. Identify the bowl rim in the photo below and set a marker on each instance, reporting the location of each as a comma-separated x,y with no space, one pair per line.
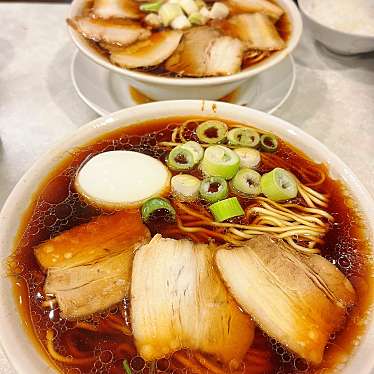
297,27
344,33
19,356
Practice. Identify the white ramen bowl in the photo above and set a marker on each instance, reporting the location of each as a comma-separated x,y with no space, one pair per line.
210,88
340,42
22,353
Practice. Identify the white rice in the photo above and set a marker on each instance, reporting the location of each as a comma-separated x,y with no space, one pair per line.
351,16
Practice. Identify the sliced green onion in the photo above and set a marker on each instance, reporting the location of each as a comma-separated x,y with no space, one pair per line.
219,11
244,137
213,189
268,143
153,20
249,157
197,19
189,6
185,187
156,208
226,209
126,367
200,3
220,161
168,12
151,7
211,131
196,149
180,159
247,182
278,185
205,12
180,23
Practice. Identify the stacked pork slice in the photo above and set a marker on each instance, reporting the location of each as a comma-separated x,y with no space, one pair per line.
196,296
210,47
89,267
179,301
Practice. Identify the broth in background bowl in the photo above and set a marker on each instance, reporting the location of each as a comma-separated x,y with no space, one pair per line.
154,130
183,75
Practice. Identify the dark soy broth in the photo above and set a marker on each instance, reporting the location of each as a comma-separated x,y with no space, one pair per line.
57,207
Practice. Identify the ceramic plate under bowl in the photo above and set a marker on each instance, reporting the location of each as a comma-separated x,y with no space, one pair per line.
105,91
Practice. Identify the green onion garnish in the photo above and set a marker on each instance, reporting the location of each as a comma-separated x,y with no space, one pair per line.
181,158
156,208
220,161
247,182
211,131
196,149
278,185
151,7
225,209
213,189
126,367
244,137
268,143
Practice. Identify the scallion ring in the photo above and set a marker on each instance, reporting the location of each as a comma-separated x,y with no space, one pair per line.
243,137
213,189
180,159
185,187
126,367
268,143
247,182
156,208
211,132
151,7
278,185
249,157
220,161
226,209
196,149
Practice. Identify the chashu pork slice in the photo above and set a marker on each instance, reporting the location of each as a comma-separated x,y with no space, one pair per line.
190,57
116,9
179,301
300,300
115,31
225,56
89,267
204,52
103,236
150,52
256,31
86,289
256,6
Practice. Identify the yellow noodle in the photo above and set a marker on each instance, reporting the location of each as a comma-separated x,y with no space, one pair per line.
65,359
175,134
315,211
306,198
208,364
301,248
86,326
318,195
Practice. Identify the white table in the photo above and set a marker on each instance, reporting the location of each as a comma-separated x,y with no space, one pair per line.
333,99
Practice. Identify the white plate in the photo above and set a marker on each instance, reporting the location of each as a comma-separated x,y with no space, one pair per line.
106,92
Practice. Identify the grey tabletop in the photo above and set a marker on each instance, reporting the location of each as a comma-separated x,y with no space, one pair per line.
333,99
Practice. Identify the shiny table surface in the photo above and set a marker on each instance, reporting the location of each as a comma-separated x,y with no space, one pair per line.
333,99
